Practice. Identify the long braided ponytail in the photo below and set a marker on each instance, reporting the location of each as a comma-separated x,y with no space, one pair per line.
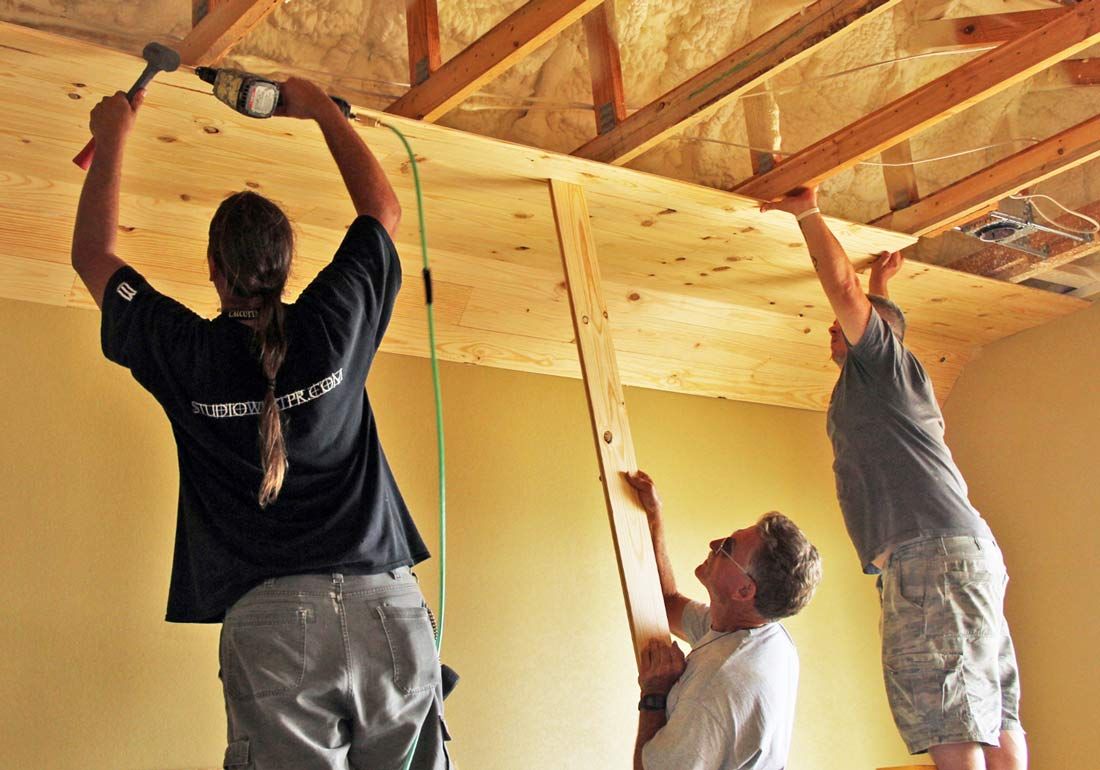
252,243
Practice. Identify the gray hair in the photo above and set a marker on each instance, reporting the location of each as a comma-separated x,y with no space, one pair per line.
786,568
890,313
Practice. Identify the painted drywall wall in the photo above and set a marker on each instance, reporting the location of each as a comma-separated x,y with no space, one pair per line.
95,680
1024,423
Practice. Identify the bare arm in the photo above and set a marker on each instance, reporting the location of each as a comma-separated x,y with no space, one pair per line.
674,600
95,232
834,270
883,269
370,190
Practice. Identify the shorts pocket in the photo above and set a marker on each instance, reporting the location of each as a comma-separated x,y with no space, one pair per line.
412,647
910,575
970,604
263,652
927,696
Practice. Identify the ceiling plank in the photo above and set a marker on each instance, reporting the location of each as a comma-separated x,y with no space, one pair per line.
777,49
970,32
978,79
974,194
524,31
645,606
608,100
221,29
422,26
710,296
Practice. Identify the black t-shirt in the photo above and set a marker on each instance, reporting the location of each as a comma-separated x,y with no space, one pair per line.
339,508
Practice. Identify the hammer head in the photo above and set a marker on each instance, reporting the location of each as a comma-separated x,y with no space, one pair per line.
161,57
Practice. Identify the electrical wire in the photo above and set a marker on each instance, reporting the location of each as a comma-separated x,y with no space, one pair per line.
1030,198
778,151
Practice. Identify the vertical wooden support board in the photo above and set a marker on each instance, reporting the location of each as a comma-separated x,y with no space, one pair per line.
900,179
645,607
762,128
606,70
422,23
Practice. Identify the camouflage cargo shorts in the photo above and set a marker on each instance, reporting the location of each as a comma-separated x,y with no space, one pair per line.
947,655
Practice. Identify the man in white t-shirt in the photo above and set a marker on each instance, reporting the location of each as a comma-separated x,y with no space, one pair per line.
729,705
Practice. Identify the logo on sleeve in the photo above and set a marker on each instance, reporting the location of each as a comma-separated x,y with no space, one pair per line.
126,291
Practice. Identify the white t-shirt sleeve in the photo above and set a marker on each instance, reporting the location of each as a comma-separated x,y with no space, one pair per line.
696,621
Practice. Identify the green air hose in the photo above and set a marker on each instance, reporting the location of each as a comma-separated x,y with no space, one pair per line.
427,272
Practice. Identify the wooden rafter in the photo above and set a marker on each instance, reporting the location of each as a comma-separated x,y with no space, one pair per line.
200,8
606,70
978,31
645,606
524,31
978,79
973,194
226,23
1082,72
775,50
422,25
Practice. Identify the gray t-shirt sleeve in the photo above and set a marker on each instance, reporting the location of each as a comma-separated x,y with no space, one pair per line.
878,350
696,621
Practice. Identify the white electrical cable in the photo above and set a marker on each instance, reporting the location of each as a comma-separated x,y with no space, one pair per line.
1026,139
1035,207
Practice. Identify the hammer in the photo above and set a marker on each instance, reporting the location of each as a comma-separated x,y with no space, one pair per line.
159,58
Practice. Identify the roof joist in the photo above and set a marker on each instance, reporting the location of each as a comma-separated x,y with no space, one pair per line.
973,195
969,32
775,50
978,79
225,24
523,32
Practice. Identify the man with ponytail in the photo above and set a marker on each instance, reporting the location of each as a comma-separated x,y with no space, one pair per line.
291,530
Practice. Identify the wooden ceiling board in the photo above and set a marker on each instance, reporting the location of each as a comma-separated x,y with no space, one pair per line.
707,296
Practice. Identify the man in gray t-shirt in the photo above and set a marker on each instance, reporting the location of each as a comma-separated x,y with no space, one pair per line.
947,655
729,705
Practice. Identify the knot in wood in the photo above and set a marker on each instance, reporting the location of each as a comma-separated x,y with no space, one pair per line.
607,436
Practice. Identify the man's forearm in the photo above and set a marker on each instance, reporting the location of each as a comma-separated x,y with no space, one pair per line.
649,723
660,551
371,192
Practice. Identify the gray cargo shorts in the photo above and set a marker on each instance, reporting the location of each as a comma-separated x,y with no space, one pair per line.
947,655
331,672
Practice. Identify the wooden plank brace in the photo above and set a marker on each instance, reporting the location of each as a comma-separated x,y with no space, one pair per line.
645,607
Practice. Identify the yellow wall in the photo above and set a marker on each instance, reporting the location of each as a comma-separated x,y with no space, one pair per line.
94,679
1024,423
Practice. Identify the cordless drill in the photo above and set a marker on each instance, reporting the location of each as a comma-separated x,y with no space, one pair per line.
251,95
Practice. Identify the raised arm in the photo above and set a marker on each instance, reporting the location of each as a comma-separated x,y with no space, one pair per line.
370,190
674,600
885,267
94,235
834,270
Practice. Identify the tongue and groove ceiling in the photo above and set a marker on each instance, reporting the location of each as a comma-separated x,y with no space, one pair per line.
706,295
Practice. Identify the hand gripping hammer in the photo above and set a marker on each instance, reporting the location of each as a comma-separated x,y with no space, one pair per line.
159,58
